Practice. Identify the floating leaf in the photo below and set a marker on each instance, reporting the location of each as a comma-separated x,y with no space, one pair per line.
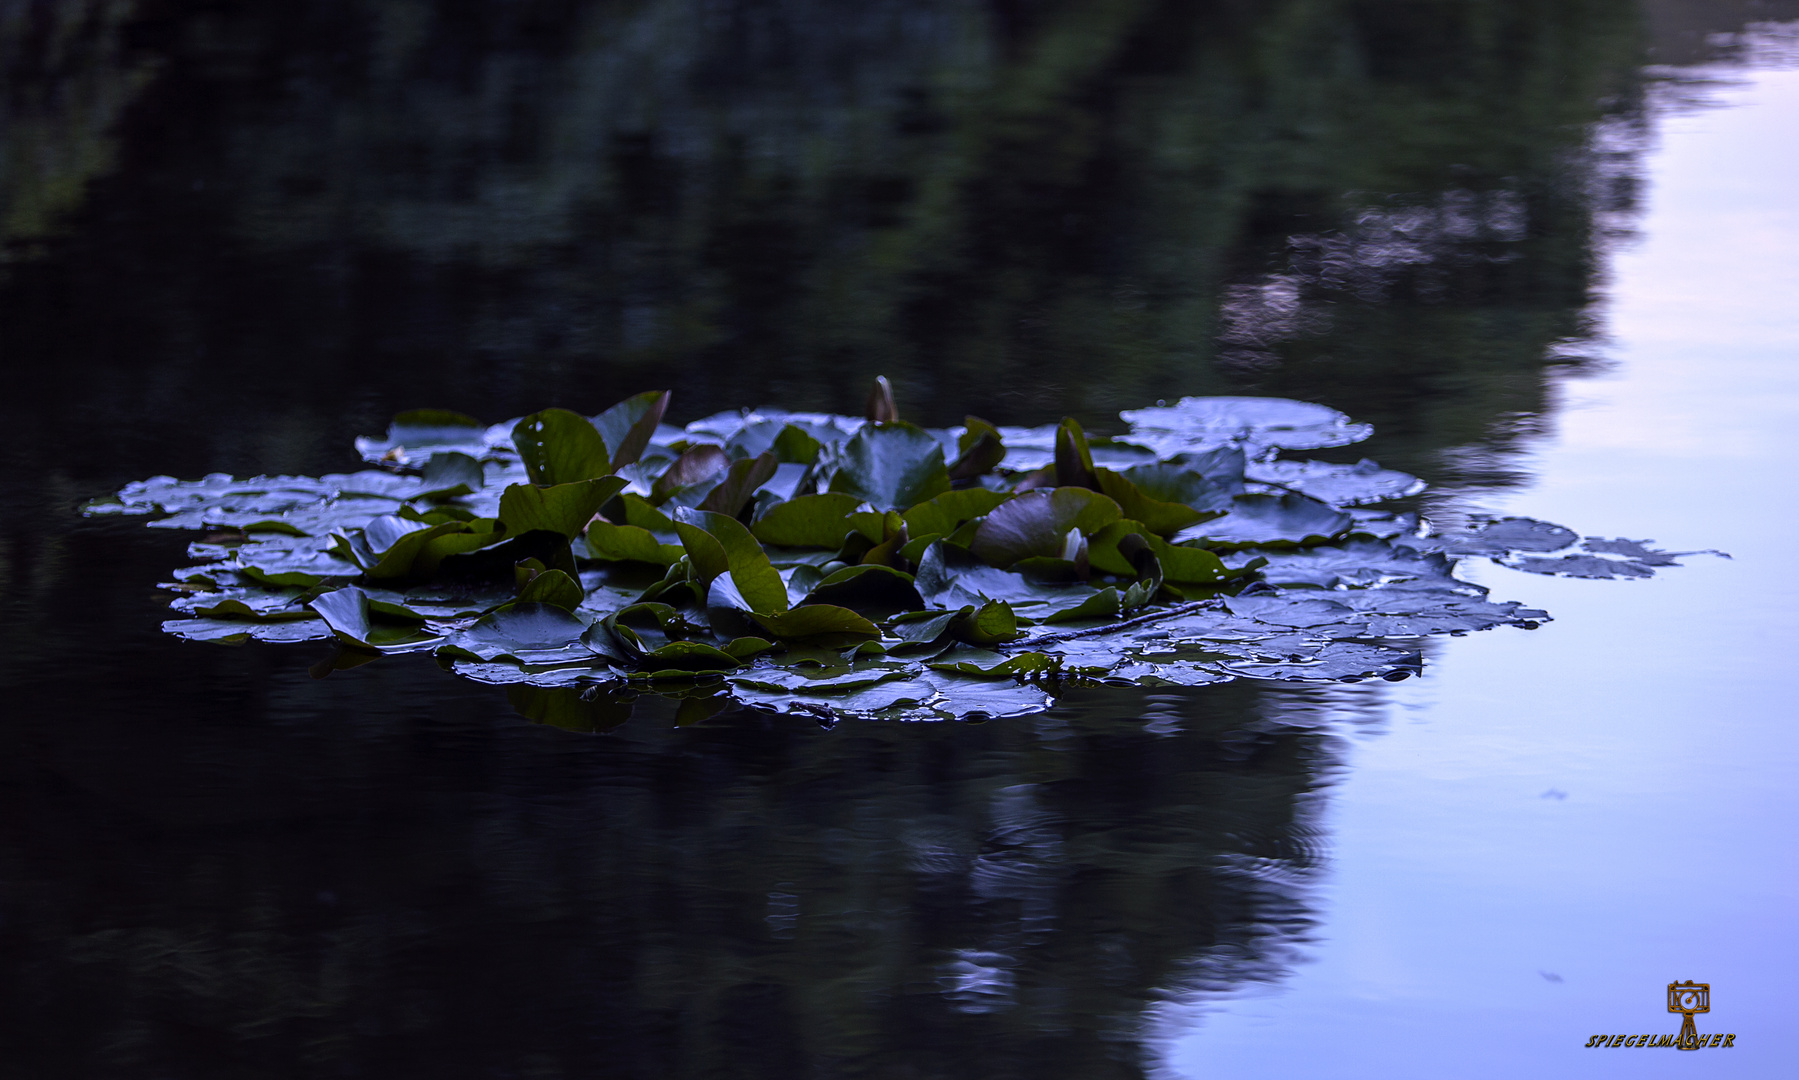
1074,460
346,611
1272,519
1261,423
526,633
449,474
891,466
1338,485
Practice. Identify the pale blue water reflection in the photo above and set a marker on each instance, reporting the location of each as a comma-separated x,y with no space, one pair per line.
1555,825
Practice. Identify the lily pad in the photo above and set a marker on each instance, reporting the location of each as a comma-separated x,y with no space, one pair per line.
1264,520
891,466
1037,524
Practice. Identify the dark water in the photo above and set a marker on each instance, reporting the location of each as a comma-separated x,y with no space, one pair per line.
235,236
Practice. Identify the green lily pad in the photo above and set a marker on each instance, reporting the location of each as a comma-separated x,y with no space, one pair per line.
565,509
891,466
944,513
810,521
872,590
628,543
1037,524
818,621
718,544
560,447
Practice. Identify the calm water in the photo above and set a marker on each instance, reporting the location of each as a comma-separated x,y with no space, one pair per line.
232,238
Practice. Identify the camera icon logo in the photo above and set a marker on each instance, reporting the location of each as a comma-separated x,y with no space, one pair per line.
1689,998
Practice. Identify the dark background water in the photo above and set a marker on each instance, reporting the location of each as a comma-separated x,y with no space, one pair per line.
234,236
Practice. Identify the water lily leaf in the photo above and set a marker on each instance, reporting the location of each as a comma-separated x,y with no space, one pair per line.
425,429
692,656
564,508
527,633
1261,423
1257,520
449,474
589,709
755,577
1508,535
944,513
627,428
977,458
744,648
1107,603
1354,564
628,543
1037,524
741,480
473,536
1191,486
1179,563
951,576
794,445
891,466
640,513
259,605
872,590
1162,518
388,545
347,612
560,447
698,465
1339,485
819,621
992,623
555,588
1015,666
1074,460
810,521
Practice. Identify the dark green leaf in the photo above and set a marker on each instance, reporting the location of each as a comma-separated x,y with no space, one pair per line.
1037,523
817,521
449,474
560,447
748,565
942,514
873,590
564,508
1257,520
1163,518
819,621
555,588
606,541
891,466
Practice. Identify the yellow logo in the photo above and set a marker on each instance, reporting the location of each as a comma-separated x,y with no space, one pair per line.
1689,999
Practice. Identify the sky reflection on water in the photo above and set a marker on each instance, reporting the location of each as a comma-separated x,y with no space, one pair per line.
1556,825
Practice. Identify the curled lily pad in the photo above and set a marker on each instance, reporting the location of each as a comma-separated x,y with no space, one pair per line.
526,633
719,544
942,515
348,613
1037,524
628,543
825,622
626,428
872,590
741,481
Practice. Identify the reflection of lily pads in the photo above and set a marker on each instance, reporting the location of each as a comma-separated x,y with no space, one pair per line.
583,562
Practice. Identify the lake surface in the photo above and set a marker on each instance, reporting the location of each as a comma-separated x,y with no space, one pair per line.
1502,233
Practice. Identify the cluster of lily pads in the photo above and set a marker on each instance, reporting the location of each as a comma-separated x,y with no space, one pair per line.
843,566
